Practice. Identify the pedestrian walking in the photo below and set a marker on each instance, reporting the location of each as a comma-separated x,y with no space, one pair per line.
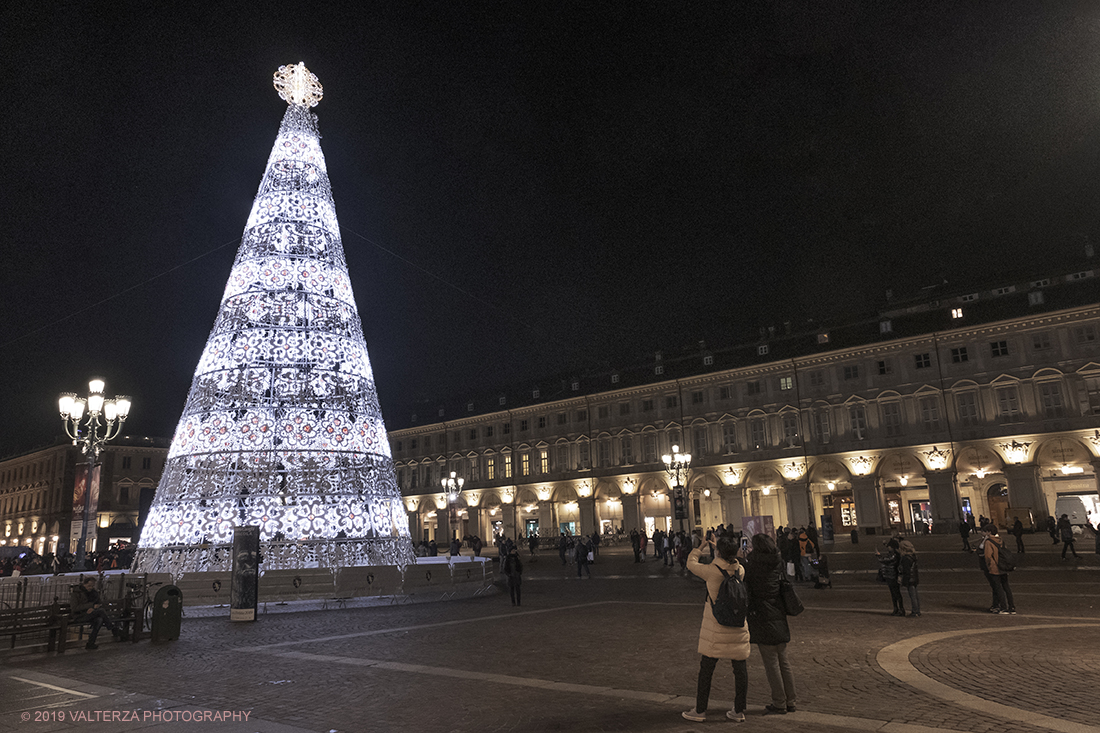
533,545
563,545
1052,529
993,546
1018,533
888,568
456,546
513,571
636,544
767,620
909,574
983,565
717,641
1065,530
807,548
964,532
580,554
792,555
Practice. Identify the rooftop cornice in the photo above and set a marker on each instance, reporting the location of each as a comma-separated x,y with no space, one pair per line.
798,363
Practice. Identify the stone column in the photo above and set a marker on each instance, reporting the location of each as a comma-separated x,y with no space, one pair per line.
798,503
943,494
869,502
415,530
1025,489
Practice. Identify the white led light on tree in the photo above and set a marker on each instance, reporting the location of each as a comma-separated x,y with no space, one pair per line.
282,427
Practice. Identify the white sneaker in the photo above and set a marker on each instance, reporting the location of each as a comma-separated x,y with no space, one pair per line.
735,717
694,716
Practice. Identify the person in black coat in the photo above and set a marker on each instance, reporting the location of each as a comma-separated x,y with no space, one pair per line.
513,571
636,544
1065,531
909,574
767,620
1018,532
964,532
888,565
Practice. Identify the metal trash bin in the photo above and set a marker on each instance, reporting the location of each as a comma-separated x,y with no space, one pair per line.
167,614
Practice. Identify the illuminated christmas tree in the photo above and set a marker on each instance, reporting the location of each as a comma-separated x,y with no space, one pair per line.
282,427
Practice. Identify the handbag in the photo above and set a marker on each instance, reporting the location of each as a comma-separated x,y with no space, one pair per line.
792,604
790,568
591,556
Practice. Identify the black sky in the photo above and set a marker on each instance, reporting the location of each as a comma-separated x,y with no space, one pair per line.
525,188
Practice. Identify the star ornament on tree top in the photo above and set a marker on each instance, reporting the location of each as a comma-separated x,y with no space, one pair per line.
298,85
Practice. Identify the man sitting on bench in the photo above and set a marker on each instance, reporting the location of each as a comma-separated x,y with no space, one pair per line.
87,609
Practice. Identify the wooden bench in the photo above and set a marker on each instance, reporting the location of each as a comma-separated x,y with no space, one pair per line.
121,610
52,618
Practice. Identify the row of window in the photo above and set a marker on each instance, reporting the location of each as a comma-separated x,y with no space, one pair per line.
781,430
35,501
29,471
27,502
1081,334
817,379
146,463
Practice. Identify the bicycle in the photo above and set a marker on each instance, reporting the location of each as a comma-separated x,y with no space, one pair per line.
139,600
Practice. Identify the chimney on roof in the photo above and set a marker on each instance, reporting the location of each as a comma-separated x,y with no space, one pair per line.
1090,252
658,356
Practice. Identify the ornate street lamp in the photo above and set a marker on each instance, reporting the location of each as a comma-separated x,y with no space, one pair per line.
677,466
93,437
452,486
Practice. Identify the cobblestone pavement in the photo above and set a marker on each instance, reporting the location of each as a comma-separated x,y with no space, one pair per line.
614,653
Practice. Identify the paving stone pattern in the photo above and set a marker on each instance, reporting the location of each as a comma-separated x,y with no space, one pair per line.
618,653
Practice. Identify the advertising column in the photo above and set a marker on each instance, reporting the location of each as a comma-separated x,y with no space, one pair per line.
587,515
1024,489
733,506
798,503
868,502
244,593
943,495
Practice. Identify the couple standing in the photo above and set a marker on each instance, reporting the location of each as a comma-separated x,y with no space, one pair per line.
766,625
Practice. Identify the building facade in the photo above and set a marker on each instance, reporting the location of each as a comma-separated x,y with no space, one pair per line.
37,494
983,403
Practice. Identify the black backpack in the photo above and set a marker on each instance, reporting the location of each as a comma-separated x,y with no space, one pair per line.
1006,561
732,603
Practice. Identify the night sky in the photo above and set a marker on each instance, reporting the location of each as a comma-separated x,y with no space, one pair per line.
525,188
